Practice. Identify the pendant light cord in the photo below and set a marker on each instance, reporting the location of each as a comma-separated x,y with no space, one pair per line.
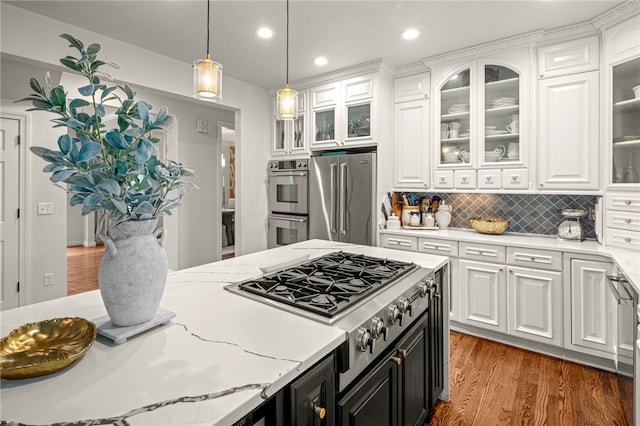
208,13
287,42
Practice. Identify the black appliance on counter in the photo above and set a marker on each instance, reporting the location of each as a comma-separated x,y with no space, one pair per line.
287,186
391,366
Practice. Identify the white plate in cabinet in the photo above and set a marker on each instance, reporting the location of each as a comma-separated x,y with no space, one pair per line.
534,258
439,247
569,57
464,179
627,201
623,220
486,252
411,88
489,179
443,179
400,242
515,179
623,239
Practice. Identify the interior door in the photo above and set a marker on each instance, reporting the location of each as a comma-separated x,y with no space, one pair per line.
9,204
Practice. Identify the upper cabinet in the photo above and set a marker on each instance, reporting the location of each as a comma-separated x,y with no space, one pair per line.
290,137
482,117
622,52
343,113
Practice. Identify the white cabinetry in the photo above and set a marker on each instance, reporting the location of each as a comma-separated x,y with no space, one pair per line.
590,308
290,137
411,88
411,144
622,220
449,248
343,113
569,57
484,298
568,145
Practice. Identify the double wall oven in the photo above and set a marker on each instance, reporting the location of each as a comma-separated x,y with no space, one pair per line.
287,201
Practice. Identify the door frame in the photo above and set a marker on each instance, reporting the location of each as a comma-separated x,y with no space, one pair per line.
218,152
25,194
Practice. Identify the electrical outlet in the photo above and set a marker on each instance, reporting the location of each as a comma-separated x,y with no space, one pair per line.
202,126
45,208
48,278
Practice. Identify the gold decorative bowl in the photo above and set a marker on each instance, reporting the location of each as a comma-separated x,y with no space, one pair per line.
489,225
44,347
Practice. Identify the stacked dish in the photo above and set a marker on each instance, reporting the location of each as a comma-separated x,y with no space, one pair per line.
456,108
503,102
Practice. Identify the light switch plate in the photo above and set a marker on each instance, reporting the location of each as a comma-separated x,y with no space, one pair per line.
45,208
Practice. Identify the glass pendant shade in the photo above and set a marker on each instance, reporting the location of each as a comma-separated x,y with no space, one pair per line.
207,79
287,104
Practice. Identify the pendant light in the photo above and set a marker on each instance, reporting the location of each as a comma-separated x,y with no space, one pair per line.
207,74
287,98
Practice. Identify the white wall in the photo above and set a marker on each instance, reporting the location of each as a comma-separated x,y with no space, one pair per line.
33,37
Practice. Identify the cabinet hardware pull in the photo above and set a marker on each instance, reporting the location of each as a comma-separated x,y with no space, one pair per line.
321,412
501,270
533,259
627,240
396,360
402,352
627,202
627,221
541,185
511,271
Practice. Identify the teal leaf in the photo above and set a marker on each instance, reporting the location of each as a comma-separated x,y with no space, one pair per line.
110,186
77,103
53,167
88,151
100,112
143,112
35,85
74,41
61,175
121,168
92,200
65,144
70,64
144,207
87,90
75,124
143,152
119,204
58,97
93,49
134,132
115,139
76,199
107,91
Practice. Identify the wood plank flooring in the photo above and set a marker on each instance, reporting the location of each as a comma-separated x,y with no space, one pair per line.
496,384
491,383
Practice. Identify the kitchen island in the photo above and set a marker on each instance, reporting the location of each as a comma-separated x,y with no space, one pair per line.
220,358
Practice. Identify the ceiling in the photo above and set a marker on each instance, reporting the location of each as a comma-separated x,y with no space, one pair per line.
346,32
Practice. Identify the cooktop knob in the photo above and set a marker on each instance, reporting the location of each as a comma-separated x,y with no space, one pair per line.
423,289
364,340
394,314
403,304
378,328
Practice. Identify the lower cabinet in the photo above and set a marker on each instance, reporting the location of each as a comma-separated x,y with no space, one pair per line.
313,396
397,391
484,296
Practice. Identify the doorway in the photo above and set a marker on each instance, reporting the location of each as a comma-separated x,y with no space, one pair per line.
227,138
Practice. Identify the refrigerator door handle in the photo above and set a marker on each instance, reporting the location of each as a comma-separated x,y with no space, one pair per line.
343,202
332,190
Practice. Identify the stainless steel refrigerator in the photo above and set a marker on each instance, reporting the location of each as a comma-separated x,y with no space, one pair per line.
342,197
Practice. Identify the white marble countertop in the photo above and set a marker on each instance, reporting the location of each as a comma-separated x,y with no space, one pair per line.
209,365
627,260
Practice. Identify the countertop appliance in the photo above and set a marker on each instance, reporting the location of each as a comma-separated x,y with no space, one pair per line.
287,190
571,227
375,301
342,197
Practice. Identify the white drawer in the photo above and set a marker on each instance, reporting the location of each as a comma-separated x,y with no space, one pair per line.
623,220
489,179
400,242
443,179
488,252
515,179
439,247
534,258
464,179
569,57
622,238
625,201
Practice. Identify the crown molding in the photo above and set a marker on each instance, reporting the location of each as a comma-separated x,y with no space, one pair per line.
409,69
377,65
520,40
571,31
616,14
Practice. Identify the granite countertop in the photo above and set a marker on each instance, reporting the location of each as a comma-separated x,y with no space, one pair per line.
627,260
216,361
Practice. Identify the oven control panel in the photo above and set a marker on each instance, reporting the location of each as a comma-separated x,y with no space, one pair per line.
288,165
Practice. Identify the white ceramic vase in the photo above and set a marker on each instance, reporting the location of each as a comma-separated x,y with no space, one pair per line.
133,272
443,218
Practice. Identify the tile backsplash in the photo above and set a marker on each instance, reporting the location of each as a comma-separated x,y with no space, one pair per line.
526,213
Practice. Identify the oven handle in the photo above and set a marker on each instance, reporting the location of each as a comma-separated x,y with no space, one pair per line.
280,174
288,218
343,202
619,298
332,189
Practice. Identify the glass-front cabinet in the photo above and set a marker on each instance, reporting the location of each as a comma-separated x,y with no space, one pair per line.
289,137
455,119
626,122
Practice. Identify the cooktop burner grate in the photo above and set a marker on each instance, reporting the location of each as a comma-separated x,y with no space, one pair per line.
329,284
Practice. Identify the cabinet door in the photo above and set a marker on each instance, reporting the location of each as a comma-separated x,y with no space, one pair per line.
313,396
592,306
414,376
411,88
411,144
374,401
535,304
484,296
455,120
568,133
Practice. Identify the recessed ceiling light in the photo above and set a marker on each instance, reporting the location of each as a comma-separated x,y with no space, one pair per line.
320,60
410,34
264,32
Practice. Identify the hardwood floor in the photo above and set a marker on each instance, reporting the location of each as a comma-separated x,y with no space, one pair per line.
491,383
82,268
496,384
